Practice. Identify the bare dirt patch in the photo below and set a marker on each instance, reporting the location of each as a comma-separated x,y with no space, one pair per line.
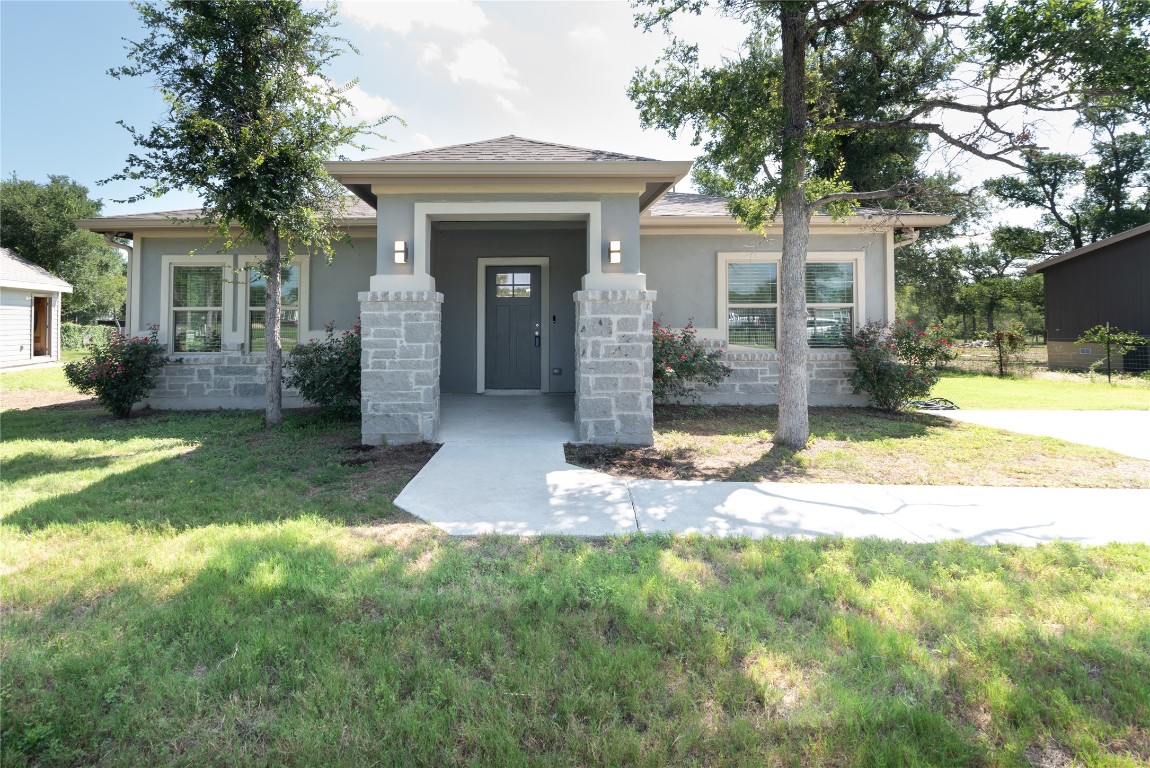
387,464
24,399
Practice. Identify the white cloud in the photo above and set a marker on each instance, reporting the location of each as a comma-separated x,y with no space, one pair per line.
587,33
459,16
370,107
424,139
429,53
481,62
508,105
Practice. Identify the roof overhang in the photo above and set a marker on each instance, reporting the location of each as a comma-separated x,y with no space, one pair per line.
128,227
1035,268
32,285
368,179
655,225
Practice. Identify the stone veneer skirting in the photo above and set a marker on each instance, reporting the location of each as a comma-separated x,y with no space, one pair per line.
613,350
401,352
1066,355
754,378
230,380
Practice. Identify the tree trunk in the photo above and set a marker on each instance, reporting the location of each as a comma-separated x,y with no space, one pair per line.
273,412
990,317
794,424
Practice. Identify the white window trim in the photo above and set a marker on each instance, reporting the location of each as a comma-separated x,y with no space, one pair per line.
305,331
226,264
722,304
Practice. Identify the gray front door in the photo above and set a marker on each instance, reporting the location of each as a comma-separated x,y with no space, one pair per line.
513,315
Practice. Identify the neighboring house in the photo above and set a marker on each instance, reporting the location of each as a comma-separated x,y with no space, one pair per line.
1104,282
511,265
29,312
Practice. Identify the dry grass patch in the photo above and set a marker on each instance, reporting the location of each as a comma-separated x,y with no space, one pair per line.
854,445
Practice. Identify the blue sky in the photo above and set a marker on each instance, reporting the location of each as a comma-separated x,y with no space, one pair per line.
454,71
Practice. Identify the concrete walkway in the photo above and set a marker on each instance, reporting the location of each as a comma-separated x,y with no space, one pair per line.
1126,432
501,470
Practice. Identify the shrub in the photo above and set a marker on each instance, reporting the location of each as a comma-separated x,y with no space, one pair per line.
1113,340
682,363
327,371
1008,345
896,364
120,372
74,336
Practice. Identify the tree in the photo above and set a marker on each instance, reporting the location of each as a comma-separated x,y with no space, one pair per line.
251,119
1083,202
772,120
36,222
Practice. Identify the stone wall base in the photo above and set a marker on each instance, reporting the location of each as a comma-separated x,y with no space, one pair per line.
401,354
229,380
754,379
613,401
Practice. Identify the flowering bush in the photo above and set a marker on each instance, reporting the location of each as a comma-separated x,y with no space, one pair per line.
327,372
1009,344
120,371
682,362
896,364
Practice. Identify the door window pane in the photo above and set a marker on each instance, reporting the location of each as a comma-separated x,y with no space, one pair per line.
512,285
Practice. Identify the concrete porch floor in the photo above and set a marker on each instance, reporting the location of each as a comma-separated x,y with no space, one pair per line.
502,470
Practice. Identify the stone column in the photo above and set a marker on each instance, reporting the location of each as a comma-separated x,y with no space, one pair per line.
401,346
613,401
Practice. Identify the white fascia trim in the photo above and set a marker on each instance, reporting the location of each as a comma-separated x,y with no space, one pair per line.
858,258
41,288
510,210
227,265
544,263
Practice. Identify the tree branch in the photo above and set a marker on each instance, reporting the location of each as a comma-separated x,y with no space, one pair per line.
901,189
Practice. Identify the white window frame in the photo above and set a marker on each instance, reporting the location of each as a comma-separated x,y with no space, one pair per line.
858,311
166,334
244,326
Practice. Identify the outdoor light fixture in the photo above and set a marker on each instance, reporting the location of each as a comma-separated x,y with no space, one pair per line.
615,251
400,252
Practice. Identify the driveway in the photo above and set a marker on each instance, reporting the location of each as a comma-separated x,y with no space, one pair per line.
1126,432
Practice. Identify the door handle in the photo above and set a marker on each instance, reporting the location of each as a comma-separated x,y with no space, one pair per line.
537,342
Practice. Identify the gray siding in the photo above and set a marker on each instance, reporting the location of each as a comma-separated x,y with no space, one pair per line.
15,326
454,255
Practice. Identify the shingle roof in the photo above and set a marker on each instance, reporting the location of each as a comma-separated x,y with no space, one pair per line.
14,269
687,204
356,209
510,149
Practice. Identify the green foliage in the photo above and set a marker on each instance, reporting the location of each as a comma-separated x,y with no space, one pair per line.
896,364
251,120
120,372
36,222
327,371
1118,341
1008,344
74,336
682,363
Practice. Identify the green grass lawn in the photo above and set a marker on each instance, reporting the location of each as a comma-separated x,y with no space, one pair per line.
189,589
1072,392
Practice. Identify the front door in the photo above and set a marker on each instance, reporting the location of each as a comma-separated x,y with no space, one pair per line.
513,343
41,329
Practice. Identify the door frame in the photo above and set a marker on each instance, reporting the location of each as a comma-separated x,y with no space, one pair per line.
49,312
544,264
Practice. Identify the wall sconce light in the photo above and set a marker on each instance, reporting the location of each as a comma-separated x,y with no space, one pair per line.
615,252
400,252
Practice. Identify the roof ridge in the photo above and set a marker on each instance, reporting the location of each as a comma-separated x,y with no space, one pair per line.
508,139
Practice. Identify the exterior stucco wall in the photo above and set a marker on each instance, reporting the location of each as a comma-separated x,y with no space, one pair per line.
332,288
683,269
454,264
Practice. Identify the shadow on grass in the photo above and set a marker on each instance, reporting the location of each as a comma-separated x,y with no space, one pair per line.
183,470
851,424
287,645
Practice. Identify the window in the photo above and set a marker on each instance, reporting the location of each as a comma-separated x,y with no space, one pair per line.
830,302
751,291
197,308
752,303
289,308
512,285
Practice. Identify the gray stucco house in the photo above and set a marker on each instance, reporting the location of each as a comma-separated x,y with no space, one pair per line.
29,312
511,265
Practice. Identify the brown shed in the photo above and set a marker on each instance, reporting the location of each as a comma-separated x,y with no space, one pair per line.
1104,282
